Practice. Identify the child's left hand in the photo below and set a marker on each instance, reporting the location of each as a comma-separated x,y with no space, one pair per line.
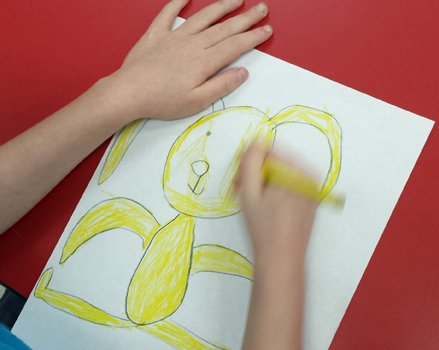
168,74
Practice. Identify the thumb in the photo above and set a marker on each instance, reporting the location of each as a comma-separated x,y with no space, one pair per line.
250,181
220,85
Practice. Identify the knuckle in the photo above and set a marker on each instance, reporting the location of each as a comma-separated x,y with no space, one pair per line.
224,4
250,16
256,36
220,6
211,11
242,22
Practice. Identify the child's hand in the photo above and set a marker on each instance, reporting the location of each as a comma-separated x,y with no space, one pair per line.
279,220
168,74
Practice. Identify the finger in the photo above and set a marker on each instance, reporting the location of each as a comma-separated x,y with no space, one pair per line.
166,17
293,162
230,49
220,85
234,25
209,15
283,157
250,174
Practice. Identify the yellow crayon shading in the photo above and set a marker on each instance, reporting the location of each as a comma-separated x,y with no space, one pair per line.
281,175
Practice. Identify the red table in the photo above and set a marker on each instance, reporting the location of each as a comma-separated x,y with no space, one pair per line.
52,51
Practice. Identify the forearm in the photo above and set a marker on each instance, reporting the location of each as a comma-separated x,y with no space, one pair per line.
276,308
33,163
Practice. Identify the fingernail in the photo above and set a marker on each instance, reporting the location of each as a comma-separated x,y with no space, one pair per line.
267,28
243,74
263,8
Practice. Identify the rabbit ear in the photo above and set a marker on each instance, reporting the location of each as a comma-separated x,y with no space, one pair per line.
328,125
122,140
218,105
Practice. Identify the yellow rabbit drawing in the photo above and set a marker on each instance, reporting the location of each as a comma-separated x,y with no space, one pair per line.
196,189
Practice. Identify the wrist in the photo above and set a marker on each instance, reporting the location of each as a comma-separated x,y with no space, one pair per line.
110,99
286,264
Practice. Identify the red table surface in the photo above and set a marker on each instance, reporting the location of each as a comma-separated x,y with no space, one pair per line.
52,51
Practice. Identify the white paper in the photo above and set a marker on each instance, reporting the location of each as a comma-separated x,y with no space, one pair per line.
380,146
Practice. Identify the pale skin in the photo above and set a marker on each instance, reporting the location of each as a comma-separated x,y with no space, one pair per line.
279,222
169,75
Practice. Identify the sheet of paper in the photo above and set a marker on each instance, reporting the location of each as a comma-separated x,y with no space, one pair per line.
183,166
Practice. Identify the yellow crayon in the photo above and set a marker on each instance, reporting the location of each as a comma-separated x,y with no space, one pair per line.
281,175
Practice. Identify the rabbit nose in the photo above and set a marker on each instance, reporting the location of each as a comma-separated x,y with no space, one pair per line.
200,167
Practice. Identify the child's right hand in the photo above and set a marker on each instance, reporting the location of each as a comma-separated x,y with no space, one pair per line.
279,220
